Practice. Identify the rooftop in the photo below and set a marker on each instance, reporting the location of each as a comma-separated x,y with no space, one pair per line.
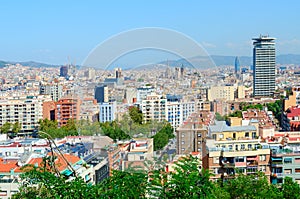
221,126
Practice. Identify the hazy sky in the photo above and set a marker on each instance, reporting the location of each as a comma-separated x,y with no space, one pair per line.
52,31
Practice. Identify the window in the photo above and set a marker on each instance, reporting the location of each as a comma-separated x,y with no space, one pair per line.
182,135
242,147
253,135
241,170
236,147
240,159
288,160
297,170
3,193
182,142
262,168
287,171
247,134
230,147
262,157
249,146
182,149
221,136
199,134
214,136
216,160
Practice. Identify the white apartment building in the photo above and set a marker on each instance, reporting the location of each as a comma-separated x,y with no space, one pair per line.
54,90
143,92
178,112
107,111
221,93
27,110
156,107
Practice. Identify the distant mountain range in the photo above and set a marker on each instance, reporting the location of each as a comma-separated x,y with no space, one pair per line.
219,60
27,63
202,61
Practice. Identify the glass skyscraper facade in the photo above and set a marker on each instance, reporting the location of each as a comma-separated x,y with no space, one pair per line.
237,65
263,66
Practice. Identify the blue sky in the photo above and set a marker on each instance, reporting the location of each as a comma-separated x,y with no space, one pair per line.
52,31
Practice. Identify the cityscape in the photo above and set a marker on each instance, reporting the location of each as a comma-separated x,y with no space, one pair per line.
149,109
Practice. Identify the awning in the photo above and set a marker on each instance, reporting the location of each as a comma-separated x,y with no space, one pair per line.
67,172
276,159
252,158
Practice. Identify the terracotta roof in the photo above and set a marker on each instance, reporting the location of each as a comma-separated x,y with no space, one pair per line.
7,165
60,163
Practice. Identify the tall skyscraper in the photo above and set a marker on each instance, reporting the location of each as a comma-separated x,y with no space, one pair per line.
237,65
64,71
118,72
101,93
263,66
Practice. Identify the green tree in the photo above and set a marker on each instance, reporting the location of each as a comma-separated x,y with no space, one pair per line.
188,181
5,128
124,184
251,186
16,127
46,125
43,184
136,114
236,114
219,117
113,130
162,137
290,189
245,106
70,128
276,107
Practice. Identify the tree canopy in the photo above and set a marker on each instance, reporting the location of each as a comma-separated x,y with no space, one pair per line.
136,114
187,181
162,137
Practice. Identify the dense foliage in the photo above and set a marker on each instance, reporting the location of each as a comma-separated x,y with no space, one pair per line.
125,129
136,114
188,181
236,114
162,137
113,130
277,108
245,106
219,117
51,127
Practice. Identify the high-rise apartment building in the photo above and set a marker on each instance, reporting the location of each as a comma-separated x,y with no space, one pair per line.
63,71
90,74
107,111
54,90
101,93
263,66
154,108
118,72
27,110
67,108
237,68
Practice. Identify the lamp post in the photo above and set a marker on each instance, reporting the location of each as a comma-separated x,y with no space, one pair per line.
50,139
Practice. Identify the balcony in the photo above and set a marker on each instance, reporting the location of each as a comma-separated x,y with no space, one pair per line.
252,164
276,164
277,175
240,164
252,170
